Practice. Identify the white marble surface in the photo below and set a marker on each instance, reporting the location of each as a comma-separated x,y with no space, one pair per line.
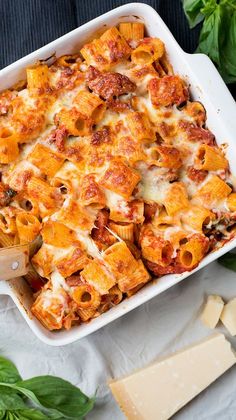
164,324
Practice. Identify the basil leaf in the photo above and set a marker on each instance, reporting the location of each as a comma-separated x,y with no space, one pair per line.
218,34
15,389
29,414
56,398
211,33
8,371
10,400
228,52
52,392
26,414
209,7
228,261
192,10
11,416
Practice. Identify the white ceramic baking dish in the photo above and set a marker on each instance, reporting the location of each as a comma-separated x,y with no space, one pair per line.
206,86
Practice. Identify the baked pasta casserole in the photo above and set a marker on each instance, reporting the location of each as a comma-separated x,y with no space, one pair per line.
106,163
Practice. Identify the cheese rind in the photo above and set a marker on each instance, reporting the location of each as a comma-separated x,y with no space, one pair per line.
160,390
212,311
228,316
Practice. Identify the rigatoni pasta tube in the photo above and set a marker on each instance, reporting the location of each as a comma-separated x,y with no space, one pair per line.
7,221
86,314
90,194
76,216
148,51
28,227
177,237
115,295
6,240
116,44
109,49
29,204
167,90
132,30
155,248
163,66
167,157
163,221
76,123
74,261
126,30
97,274
94,54
193,251
38,78
124,231
90,105
140,127
49,308
120,178
120,260
46,159
176,198
131,148
213,191
210,158
9,150
30,122
197,217
63,185
135,213
133,279
57,234
40,190
86,296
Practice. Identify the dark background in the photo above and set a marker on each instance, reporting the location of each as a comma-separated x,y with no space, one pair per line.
26,25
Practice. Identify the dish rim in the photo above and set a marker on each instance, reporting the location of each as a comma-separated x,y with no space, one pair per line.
137,10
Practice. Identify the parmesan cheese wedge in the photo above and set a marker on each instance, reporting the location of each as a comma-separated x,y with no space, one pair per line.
228,316
212,311
160,390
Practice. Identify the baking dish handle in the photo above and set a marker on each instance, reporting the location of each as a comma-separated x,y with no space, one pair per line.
14,262
212,83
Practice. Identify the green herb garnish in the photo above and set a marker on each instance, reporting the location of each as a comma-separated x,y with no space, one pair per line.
218,34
39,398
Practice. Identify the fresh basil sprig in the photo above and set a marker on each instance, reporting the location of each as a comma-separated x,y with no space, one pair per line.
39,398
25,414
228,261
218,34
8,371
192,9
